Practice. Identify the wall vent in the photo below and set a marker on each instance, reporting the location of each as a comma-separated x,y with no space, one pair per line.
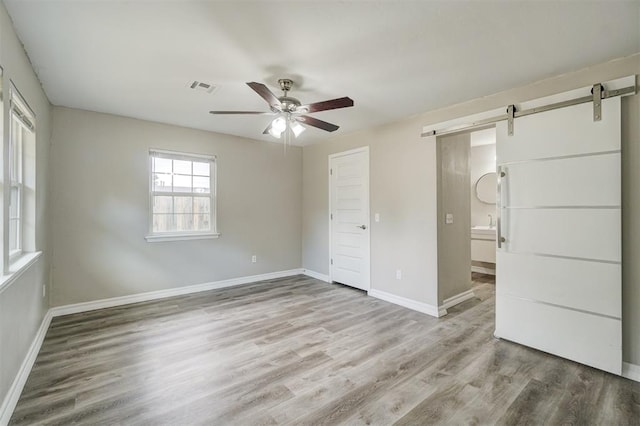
201,86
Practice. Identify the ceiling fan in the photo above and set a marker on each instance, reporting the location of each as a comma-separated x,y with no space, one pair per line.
290,112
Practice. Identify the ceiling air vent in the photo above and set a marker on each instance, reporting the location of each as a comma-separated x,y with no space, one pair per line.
201,86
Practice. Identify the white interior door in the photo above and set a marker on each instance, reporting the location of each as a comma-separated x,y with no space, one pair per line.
558,275
349,218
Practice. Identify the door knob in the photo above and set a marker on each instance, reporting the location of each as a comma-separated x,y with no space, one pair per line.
362,226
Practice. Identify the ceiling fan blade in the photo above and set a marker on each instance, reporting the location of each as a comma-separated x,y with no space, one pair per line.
266,94
317,123
241,112
326,105
266,131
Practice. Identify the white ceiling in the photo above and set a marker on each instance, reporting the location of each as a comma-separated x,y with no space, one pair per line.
394,58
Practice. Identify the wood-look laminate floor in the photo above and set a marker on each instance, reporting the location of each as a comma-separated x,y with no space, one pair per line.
299,351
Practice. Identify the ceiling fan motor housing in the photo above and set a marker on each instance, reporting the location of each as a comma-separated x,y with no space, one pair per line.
289,104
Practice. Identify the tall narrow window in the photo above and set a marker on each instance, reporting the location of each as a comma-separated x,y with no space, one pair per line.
15,199
182,196
20,176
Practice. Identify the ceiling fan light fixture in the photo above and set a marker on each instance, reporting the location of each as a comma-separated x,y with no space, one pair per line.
279,124
273,132
297,128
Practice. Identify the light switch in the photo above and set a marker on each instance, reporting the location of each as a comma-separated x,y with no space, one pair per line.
376,217
448,219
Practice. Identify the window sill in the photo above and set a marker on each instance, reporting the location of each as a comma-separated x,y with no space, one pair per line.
180,237
21,264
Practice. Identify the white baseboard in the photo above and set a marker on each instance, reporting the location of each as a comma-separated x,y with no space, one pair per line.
162,294
631,371
455,300
407,303
11,399
316,275
482,270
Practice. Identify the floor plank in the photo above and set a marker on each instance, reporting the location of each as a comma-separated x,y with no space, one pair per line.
299,351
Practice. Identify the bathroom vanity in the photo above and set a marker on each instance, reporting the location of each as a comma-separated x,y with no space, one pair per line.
483,244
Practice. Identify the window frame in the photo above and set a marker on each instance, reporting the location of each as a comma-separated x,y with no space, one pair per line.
16,180
213,181
22,118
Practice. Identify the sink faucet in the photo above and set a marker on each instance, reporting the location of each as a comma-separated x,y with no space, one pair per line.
490,221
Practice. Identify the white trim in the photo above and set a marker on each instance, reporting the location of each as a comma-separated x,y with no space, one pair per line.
425,308
19,106
13,394
457,299
187,156
329,248
212,196
158,238
17,268
631,371
482,270
350,152
316,275
162,294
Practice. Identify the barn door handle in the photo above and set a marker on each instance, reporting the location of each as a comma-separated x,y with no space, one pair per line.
499,221
362,226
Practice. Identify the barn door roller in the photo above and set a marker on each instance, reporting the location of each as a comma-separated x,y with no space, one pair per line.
597,101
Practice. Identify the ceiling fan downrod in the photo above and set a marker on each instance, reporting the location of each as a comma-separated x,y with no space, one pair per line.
288,103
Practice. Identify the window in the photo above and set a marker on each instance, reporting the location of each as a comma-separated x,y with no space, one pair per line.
15,197
21,178
182,196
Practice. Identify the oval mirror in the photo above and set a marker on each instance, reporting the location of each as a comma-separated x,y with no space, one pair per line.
486,188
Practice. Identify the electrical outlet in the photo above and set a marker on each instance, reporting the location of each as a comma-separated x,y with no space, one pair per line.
44,290
448,219
398,274
254,258
376,217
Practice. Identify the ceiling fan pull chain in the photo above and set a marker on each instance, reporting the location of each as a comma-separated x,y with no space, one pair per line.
286,138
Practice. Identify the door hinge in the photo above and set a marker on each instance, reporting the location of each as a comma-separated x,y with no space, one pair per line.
331,216
332,261
331,171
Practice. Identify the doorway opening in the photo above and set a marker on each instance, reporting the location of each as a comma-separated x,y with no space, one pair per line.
483,213
467,188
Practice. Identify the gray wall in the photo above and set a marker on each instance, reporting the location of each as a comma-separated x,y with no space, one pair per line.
101,200
403,189
454,239
22,306
401,173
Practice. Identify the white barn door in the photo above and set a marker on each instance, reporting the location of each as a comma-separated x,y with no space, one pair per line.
558,274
